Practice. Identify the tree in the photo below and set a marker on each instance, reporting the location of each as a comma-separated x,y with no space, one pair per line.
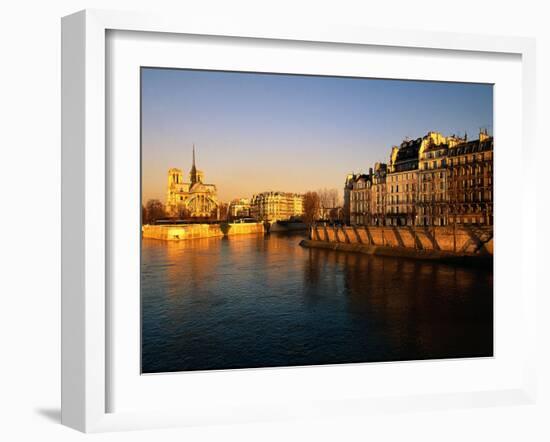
220,212
336,214
182,212
328,199
224,211
311,207
143,214
155,211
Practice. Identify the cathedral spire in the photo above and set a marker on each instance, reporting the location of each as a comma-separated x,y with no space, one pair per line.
194,174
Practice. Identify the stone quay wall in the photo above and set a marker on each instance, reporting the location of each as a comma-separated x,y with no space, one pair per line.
177,232
462,240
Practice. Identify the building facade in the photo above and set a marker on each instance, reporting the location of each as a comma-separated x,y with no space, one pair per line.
402,183
193,199
470,181
378,196
239,208
433,186
429,181
361,199
276,206
348,188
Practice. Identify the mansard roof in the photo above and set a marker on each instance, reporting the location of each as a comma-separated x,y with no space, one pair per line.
432,146
363,176
408,150
472,147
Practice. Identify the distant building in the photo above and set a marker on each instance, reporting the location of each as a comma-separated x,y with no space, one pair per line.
194,199
433,180
239,208
276,206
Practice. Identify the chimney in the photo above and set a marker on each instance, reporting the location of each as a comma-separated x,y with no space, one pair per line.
483,135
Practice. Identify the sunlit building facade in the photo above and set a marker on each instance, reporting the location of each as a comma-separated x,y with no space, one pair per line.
239,208
430,181
360,199
193,199
402,183
470,181
378,195
276,206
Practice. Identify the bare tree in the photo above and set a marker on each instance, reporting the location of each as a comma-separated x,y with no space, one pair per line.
182,212
328,199
334,198
224,211
336,214
155,211
311,207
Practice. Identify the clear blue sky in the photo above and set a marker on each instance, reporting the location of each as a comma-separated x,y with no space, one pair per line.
257,132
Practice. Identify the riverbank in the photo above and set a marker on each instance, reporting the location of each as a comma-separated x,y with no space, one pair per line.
178,232
441,243
402,252
286,226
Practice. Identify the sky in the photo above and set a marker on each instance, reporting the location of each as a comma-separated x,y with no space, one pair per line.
258,132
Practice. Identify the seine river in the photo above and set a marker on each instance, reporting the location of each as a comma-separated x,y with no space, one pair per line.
264,301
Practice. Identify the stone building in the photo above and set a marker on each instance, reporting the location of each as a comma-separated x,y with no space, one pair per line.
276,206
360,199
193,199
239,208
348,187
470,182
432,204
378,195
433,180
402,183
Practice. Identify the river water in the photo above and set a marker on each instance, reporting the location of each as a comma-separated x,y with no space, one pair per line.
264,301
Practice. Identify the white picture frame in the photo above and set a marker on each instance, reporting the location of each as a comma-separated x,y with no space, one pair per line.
85,196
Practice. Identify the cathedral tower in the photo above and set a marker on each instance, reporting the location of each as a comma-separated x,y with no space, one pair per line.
195,176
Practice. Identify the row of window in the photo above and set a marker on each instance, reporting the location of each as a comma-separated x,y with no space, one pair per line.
464,184
402,177
428,165
487,156
469,170
481,196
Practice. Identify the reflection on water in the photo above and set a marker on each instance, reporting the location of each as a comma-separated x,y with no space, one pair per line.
255,301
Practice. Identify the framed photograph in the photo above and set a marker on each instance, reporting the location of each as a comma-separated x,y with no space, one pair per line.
269,223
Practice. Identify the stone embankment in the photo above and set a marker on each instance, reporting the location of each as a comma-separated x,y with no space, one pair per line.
285,226
176,232
436,243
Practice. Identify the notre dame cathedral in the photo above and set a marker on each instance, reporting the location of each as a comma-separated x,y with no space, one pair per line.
194,199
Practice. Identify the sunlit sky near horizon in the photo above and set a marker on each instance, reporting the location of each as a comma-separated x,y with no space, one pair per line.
257,132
